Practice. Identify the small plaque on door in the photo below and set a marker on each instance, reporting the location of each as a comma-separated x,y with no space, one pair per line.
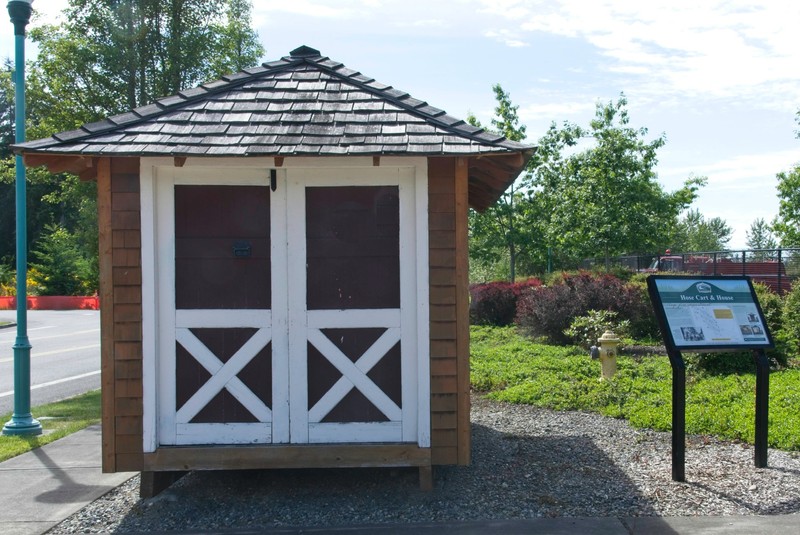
242,249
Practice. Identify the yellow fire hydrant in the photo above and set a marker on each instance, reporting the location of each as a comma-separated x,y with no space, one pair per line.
608,354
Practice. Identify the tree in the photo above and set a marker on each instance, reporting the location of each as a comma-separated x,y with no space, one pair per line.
7,189
504,231
113,55
696,233
237,43
106,57
62,269
606,199
760,235
787,223
7,109
40,183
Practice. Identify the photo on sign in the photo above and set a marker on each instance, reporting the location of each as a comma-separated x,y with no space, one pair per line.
692,334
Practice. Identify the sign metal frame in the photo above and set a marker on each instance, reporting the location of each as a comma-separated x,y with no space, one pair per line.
709,305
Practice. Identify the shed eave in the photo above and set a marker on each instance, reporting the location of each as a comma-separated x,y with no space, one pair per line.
490,173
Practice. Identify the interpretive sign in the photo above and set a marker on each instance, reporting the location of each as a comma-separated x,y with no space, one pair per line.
709,313
719,313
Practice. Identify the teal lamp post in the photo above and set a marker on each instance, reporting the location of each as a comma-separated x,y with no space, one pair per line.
22,421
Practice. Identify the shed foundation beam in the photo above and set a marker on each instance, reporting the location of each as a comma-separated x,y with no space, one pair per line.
153,483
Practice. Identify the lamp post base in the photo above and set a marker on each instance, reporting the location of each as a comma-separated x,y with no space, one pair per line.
22,426
22,421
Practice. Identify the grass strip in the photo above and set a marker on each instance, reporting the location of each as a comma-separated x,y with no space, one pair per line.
58,420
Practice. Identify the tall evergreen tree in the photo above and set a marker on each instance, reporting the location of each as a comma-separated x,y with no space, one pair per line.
759,236
696,233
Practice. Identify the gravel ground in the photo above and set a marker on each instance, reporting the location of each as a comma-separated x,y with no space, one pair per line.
527,463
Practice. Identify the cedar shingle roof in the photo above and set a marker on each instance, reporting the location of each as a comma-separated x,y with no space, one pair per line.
301,105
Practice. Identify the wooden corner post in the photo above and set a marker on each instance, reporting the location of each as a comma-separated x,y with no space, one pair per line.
106,313
462,309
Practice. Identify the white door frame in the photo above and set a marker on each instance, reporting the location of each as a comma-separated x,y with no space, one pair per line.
158,176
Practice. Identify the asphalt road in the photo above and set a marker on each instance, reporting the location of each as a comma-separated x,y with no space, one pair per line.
65,355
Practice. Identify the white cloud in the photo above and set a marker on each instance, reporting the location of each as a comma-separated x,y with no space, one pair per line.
740,189
315,8
553,111
506,37
739,172
424,23
716,48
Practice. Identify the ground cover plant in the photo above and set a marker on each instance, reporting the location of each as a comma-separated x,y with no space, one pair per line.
507,366
58,420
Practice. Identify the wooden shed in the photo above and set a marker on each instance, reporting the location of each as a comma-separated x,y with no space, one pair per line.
284,271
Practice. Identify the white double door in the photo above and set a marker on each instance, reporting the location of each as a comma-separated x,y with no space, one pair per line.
289,315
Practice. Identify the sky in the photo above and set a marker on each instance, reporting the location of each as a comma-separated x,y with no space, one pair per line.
719,79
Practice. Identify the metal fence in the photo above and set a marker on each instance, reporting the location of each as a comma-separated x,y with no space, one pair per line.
778,268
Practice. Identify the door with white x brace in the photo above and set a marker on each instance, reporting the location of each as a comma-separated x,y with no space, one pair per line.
352,306
289,314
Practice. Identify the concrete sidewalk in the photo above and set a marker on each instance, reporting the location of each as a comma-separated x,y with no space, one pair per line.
707,525
41,488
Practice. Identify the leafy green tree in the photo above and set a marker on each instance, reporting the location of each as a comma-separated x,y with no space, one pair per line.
504,231
7,193
106,57
787,223
113,55
39,183
60,267
237,46
7,109
696,233
605,200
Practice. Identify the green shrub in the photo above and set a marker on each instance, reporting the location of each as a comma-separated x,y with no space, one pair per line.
789,334
585,330
723,363
7,280
549,310
640,313
772,306
61,268
495,303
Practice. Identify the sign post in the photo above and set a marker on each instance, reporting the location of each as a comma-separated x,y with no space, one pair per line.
714,313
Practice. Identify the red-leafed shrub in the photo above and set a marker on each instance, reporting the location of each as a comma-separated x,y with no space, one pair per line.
495,303
549,310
